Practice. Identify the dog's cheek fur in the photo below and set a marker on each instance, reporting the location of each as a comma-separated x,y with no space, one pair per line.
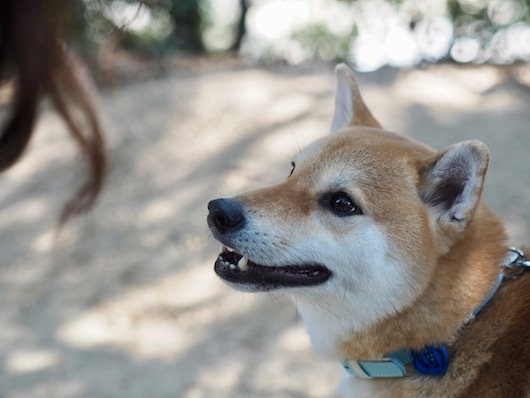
408,230
358,270
384,167
455,290
354,248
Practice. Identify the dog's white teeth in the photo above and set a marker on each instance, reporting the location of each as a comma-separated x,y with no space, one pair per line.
232,266
226,249
242,264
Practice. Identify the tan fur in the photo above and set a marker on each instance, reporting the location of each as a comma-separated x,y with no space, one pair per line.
451,260
491,355
461,280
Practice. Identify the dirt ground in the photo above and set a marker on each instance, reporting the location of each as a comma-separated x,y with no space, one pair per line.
125,302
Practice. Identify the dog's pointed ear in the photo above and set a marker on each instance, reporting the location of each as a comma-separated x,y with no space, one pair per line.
350,109
452,184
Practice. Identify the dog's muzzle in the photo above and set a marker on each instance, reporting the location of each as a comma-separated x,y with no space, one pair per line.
227,220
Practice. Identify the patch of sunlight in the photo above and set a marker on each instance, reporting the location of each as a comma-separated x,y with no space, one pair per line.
291,360
275,20
43,243
254,88
289,106
25,211
156,321
368,53
401,48
132,16
218,109
294,339
465,49
157,210
436,89
222,15
128,329
28,361
253,91
225,381
506,12
477,80
280,145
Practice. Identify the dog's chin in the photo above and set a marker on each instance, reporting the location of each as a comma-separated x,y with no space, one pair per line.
252,277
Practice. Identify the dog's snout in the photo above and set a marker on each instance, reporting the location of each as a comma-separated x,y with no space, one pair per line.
226,215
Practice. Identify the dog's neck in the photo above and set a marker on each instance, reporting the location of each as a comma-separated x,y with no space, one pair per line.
462,279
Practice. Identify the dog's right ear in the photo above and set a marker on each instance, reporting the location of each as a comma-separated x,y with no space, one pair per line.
350,109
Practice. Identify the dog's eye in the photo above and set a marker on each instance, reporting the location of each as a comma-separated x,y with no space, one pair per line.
292,170
341,204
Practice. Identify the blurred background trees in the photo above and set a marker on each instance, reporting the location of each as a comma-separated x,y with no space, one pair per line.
368,33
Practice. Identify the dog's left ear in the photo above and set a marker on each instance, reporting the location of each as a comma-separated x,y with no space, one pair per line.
452,183
350,109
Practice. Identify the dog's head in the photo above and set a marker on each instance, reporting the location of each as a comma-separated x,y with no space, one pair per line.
359,223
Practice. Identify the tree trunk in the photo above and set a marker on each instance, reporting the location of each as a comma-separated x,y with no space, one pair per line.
241,26
186,15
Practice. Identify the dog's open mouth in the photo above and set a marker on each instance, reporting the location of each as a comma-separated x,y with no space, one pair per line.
236,268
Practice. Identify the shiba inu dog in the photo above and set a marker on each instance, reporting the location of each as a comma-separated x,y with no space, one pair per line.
399,271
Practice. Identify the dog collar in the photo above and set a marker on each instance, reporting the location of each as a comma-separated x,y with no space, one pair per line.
432,360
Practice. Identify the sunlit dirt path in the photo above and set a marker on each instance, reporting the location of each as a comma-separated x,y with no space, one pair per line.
125,302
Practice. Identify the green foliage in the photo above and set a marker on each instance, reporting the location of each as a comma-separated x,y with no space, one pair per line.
156,27
323,44
155,38
149,27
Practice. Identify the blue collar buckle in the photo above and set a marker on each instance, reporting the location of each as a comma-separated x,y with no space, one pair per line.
432,361
391,365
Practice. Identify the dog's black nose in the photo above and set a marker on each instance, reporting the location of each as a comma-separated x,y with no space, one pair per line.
226,215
